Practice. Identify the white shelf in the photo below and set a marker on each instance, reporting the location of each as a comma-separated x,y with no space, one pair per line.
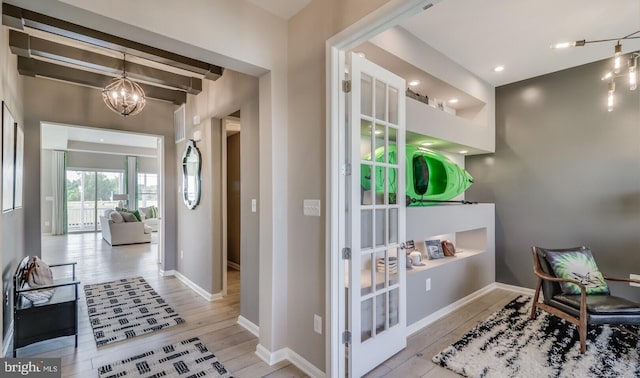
451,132
430,264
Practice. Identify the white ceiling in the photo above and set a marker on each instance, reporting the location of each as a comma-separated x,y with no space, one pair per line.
481,34
281,8
57,137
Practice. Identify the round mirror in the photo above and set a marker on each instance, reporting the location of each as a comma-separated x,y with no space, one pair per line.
191,163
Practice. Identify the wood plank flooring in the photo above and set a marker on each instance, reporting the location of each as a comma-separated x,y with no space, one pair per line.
215,322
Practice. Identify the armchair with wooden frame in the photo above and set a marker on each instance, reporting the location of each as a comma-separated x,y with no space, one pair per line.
583,309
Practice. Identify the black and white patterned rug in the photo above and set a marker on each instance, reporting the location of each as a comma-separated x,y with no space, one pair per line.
126,308
189,358
508,344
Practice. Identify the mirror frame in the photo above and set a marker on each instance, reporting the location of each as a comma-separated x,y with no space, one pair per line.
190,150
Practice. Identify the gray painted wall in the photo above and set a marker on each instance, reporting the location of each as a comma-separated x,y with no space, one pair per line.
233,198
200,230
249,223
44,100
12,223
565,173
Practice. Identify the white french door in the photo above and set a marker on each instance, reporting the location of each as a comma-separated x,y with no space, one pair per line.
375,216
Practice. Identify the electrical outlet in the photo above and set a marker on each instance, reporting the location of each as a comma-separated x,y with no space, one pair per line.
428,284
181,254
634,277
317,323
46,223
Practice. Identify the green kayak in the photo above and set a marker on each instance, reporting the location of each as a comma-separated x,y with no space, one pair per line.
430,176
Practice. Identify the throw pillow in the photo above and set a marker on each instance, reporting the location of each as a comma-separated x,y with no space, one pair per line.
135,213
154,212
146,211
577,265
128,217
116,217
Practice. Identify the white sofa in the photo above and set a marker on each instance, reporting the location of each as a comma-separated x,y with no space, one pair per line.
147,217
124,232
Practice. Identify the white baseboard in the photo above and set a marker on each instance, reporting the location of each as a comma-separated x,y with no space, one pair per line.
167,273
200,291
249,325
304,365
233,265
515,289
291,356
7,341
417,326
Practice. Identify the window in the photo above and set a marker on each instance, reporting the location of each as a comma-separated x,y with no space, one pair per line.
147,189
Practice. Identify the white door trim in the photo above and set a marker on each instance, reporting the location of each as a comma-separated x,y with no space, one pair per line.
378,21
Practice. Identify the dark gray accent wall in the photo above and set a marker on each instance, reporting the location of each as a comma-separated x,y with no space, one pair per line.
566,172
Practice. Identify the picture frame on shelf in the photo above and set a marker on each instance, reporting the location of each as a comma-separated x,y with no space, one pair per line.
434,249
8,158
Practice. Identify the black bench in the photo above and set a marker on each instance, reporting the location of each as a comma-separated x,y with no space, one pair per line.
58,316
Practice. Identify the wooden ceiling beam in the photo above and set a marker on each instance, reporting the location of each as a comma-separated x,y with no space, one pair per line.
27,46
33,67
20,18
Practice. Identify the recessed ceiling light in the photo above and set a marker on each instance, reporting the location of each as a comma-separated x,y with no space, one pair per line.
498,69
101,139
413,83
361,54
453,101
463,152
427,143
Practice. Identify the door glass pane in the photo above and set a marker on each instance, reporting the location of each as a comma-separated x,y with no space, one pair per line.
366,228
393,105
381,227
366,95
109,183
393,141
366,187
366,317
381,312
380,184
381,100
393,186
381,267
393,266
365,140
393,225
366,267
380,152
394,303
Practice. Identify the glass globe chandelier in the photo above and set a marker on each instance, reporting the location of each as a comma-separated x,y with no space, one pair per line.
124,96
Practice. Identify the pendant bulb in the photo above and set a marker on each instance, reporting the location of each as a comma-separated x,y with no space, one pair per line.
617,58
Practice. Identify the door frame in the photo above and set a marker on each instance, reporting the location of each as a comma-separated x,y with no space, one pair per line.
385,17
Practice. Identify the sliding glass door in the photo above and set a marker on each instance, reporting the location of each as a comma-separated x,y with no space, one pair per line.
89,194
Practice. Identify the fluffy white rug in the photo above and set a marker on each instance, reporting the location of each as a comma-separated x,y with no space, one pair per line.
508,344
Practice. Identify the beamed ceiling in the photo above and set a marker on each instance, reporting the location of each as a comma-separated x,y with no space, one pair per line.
56,49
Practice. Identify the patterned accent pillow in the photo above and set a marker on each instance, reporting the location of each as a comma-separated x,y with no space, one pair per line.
577,265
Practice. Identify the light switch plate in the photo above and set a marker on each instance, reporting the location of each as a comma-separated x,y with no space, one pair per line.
311,208
254,205
317,323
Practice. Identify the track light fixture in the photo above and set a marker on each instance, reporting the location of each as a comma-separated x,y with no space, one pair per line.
617,63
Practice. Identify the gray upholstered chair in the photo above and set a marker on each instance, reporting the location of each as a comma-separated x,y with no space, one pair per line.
582,309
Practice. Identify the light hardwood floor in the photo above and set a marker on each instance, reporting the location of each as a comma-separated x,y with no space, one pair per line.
215,322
